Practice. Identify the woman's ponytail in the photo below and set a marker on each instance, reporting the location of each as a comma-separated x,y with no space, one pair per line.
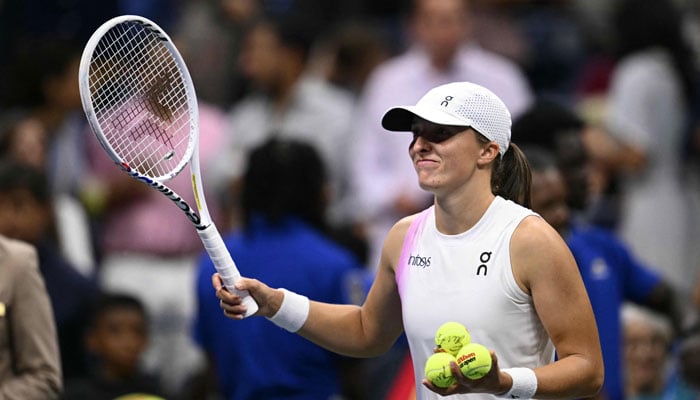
511,177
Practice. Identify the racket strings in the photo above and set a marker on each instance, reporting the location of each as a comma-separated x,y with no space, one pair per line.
140,100
151,102
146,127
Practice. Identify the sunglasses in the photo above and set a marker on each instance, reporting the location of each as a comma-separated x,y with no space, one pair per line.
435,133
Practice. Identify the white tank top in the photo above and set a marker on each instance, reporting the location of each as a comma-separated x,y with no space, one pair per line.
468,278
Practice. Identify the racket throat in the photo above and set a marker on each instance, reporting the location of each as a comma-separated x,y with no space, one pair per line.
169,193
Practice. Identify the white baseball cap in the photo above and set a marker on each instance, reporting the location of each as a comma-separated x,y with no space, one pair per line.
457,104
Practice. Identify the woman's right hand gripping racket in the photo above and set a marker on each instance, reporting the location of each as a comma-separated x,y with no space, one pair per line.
139,99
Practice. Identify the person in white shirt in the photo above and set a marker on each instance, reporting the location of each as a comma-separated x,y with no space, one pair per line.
484,260
647,115
441,51
288,101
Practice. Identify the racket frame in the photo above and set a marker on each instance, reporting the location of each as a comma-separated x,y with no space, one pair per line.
201,218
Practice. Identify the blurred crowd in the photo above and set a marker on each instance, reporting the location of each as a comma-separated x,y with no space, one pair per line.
608,89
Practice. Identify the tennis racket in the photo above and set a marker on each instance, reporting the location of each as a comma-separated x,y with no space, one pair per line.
141,104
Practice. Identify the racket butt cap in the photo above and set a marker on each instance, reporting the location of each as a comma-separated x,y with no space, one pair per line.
251,306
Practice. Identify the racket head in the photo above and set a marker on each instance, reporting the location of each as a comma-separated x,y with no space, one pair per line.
139,98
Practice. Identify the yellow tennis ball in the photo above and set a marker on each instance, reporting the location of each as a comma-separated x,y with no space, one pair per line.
437,369
474,360
138,396
452,336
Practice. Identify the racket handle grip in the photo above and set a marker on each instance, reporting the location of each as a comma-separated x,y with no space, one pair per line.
215,247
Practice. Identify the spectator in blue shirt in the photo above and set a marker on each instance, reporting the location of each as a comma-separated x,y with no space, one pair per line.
283,241
611,274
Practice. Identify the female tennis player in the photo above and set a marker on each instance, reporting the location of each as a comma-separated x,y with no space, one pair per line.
477,256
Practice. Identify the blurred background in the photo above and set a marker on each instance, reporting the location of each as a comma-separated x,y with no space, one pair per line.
624,72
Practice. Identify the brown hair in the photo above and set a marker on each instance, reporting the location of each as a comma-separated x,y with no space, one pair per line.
511,176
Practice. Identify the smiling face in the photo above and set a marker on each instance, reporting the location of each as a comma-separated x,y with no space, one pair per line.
447,157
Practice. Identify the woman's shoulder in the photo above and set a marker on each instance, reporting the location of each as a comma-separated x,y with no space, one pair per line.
508,210
397,234
534,232
402,226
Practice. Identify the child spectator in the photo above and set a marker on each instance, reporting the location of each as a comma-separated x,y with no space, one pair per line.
116,339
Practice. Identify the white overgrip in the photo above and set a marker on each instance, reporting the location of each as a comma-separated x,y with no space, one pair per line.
215,247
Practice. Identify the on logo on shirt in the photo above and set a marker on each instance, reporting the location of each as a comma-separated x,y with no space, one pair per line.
484,258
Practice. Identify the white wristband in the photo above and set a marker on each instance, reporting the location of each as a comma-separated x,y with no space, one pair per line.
293,311
524,383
